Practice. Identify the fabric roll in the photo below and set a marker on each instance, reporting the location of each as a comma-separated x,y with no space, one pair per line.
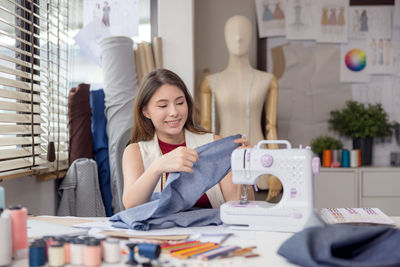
184,189
344,245
120,88
100,147
79,123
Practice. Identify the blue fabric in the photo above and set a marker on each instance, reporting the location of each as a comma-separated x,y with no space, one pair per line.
344,245
100,147
184,189
195,217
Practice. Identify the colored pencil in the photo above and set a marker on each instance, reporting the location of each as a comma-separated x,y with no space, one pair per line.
203,245
168,246
218,252
194,253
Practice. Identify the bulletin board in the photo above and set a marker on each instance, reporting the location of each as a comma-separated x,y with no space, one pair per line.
315,75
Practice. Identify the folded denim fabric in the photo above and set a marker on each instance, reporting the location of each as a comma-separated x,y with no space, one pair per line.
184,189
344,245
196,217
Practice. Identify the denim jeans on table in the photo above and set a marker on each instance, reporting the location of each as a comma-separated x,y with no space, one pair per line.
183,190
344,245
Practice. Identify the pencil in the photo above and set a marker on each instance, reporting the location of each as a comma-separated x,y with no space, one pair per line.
196,252
203,245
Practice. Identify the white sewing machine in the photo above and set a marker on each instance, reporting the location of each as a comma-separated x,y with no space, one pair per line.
294,168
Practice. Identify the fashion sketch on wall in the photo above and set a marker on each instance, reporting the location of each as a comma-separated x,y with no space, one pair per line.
370,22
331,20
380,56
270,17
299,20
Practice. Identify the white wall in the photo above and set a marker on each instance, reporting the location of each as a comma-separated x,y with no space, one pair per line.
175,26
37,196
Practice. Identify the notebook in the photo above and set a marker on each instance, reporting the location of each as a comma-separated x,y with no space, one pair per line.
38,229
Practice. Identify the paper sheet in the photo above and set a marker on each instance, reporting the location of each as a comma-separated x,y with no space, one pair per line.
370,22
331,20
299,20
396,14
270,17
353,61
396,51
120,17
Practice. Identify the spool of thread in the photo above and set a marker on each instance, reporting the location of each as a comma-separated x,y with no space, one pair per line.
56,254
48,239
37,253
101,238
76,247
131,247
92,252
327,158
6,238
354,158
150,251
2,198
67,249
112,251
359,157
19,217
345,162
336,154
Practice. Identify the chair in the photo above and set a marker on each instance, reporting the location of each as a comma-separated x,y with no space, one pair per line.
121,144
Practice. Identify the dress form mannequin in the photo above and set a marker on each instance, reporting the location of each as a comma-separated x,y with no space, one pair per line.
240,92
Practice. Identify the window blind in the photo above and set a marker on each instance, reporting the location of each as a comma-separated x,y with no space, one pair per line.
33,87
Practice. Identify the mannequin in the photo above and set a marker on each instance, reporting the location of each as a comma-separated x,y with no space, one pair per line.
240,92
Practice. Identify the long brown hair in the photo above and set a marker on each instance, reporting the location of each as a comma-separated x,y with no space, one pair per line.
143,128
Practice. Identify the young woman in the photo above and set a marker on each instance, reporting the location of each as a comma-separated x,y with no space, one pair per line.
163,140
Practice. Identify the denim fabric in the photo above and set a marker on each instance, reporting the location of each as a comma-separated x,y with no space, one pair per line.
344,245
100,146
184,189
196,217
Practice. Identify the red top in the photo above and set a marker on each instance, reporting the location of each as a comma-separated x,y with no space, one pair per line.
203,201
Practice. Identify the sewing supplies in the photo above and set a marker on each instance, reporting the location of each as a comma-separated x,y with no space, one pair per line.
354,158
37,253
56,254
92,252
345,158
2,198
295,169
112,251
218,252
6,238
150,251
76,247
131,260
19,217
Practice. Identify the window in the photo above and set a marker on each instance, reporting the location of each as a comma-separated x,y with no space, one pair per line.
33,87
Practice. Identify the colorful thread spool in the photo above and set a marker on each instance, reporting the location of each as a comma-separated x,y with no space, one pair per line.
6,238
76,247
37,253
150,251
345,162
131,247
2,198
359,158
112,251
19,217
92,252
354,158
327,158
56,254
336,153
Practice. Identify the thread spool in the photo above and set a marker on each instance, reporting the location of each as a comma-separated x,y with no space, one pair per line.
345,162
101,238
354,158
67,249
150,251
76,248
359,158
112,251
92,252
327,158
131,247
6,238
37,253
56,254
336,158
19,217
48,239
2,198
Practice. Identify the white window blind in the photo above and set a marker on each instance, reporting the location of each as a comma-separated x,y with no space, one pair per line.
33,86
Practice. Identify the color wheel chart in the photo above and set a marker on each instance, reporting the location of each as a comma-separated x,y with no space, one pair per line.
356,60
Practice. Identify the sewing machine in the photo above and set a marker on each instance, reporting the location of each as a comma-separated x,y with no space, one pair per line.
294,168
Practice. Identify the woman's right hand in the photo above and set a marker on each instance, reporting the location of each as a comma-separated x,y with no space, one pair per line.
180,159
